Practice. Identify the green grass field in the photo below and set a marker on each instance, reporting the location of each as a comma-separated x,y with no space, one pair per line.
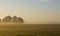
30,30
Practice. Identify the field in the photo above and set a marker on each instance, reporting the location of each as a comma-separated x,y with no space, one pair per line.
30,30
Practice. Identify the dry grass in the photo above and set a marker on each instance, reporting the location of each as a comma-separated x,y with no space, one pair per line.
30,30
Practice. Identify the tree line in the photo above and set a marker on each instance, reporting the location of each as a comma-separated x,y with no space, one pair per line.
14,19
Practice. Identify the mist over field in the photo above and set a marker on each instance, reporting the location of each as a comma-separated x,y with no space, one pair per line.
30,30
29,17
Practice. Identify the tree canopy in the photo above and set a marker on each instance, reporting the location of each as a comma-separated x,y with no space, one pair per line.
14,19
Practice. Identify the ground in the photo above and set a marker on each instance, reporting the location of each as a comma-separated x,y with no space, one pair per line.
30,30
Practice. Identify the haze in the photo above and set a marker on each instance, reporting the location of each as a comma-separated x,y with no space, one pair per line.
32,11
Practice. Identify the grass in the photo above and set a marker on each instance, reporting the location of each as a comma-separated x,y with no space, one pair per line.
30,30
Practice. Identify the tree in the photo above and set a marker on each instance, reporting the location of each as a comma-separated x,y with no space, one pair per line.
3,20
7,19
14,19
20,20
0,20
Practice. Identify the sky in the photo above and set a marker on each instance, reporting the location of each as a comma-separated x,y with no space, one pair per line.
32,11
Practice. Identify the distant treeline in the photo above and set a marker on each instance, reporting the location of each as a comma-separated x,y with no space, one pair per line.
14,19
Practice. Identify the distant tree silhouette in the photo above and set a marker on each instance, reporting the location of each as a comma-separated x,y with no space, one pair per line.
0,20
7,19
14,19
3,20
20,20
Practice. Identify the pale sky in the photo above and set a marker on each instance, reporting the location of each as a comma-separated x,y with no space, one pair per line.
32,11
